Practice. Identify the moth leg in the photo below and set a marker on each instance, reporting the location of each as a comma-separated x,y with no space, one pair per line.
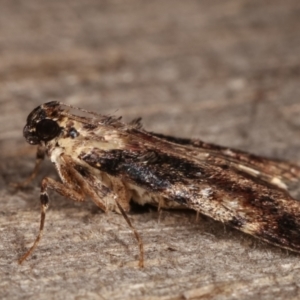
197,216
107,196
40,155
123,194
62,189
136,234
82,179
160,205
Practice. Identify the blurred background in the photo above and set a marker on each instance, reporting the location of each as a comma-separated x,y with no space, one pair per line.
223,71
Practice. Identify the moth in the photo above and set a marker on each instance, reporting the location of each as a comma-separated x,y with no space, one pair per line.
113,163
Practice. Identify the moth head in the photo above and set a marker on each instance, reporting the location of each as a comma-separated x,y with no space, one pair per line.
42,125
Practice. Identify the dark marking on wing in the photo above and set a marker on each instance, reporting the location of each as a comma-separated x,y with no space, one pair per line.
150,170
236,222
220,154
285,231
259,208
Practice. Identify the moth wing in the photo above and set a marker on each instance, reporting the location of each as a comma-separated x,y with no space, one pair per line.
278,172
224,193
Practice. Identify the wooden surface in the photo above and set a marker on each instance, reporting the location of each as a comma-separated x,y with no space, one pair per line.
223,71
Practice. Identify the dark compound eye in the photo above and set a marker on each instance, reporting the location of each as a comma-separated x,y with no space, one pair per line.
47,129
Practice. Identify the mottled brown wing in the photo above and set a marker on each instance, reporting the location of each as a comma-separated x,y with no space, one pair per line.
274,171
223,192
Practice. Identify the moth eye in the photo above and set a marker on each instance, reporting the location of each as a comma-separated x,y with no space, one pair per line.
47,129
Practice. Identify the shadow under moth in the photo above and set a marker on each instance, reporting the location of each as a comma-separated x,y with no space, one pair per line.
111,162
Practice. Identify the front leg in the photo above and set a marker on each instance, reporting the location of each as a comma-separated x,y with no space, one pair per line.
77,184
73,187
64,190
